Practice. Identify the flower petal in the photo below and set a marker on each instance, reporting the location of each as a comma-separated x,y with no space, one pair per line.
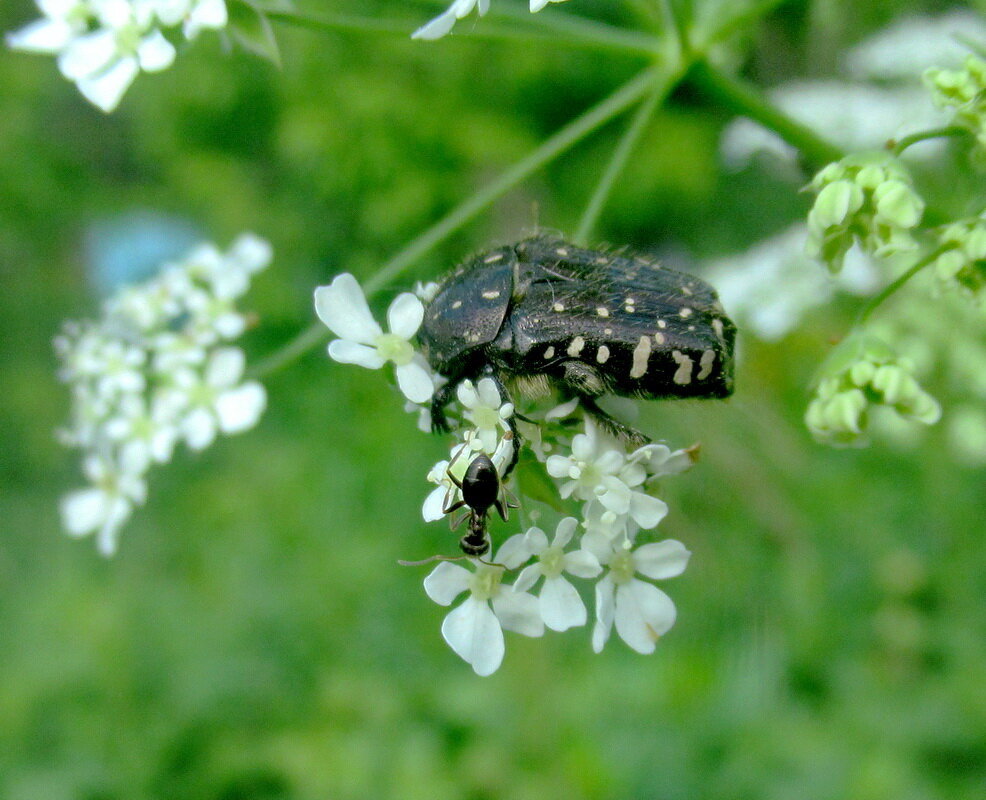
342,307
199,429
527,578
347,352
661,560
518,612
564,531
489,395
643,614
88,54
83,510
240,408
446,582
647,511
205,14
414,381
436,28
513,552
106,89
605,609
225,367
473,632
155,52
434,505
404,315
582,564
42,36
537,540
560,605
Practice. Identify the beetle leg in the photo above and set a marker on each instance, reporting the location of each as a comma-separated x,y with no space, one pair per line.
612,426
511,422
439,423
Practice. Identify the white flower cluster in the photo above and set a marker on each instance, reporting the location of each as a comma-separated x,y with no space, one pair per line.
610,486
156,370
102,45
443,23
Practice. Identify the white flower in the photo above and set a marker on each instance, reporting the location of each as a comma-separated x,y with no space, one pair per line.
215,399
559,603
144,435
592,470
102,45
474,630
485,409
641,611
104,507
106,61
342,307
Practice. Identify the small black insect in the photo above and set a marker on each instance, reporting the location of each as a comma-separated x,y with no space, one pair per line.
480,488
543,313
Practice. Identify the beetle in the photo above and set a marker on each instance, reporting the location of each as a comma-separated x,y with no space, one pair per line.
544,313
480,488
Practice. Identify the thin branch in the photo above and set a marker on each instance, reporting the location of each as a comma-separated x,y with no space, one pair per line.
618,161
892,287
900,145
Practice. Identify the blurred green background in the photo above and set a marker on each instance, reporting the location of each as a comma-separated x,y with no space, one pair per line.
255,638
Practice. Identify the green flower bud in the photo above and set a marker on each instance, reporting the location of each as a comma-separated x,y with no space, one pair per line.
963,264
898,204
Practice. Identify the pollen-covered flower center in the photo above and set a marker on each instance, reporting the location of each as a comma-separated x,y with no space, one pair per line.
552,562
485,583
621,567
393,348
485,417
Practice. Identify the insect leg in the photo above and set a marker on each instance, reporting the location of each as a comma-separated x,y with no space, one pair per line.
612,426
511,422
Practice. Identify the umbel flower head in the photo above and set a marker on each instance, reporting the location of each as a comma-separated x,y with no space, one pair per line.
533,581
963,91
102,45
866,198
860,374
156,370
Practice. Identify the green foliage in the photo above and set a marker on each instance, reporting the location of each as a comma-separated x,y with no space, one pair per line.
255,637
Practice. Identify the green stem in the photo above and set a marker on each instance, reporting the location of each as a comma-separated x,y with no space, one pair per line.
551,148
746,100
340,23
579,27
899,146
893,286
618,162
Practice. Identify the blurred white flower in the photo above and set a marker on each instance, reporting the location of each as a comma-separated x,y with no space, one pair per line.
102,45
642,612
214,398
770,287
559,602
150,373
474,630
105,506
343,308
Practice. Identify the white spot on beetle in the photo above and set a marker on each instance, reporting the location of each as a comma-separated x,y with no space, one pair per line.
662,323
686,291
705,365
602,261
491,295
640,355
602,311
607,331
691,327
717,327
575,346
683,375
559,307
493,258
550,352
660,338
685,313
602,354
562,252
456,304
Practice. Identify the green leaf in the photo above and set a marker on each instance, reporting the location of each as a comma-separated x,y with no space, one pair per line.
533,482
